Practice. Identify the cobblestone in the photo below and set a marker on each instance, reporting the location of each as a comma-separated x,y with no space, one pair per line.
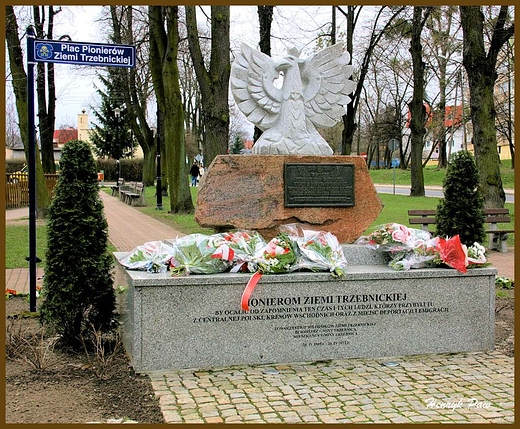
422,389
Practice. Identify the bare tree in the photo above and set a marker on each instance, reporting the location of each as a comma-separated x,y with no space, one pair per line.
214,80
352,14
504,99
481,69
265,19
442,43
12,131
138,81
45,88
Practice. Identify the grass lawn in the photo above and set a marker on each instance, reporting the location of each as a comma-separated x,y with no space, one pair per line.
17,245
434,177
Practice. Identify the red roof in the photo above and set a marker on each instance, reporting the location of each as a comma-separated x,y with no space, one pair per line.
61,137
453,120
448,119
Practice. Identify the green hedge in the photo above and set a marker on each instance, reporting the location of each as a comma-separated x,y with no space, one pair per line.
14,165
131,169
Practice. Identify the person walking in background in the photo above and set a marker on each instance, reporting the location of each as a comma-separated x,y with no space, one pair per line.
194,172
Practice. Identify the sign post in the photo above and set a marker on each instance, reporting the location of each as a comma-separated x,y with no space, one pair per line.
64,52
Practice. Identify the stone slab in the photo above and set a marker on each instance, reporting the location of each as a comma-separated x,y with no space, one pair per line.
247,192
196,321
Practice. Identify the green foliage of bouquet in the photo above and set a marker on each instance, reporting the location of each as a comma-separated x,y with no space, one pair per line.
318,250
278,256
153,256
193,254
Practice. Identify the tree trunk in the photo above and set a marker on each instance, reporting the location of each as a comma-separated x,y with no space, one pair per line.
481,71
213,83
442,161
20,91
417,109
148,167
165,72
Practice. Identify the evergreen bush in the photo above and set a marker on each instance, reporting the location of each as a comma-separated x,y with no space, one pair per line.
461,211
78,291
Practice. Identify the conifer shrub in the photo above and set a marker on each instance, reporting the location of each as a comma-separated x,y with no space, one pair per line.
461,211
78,291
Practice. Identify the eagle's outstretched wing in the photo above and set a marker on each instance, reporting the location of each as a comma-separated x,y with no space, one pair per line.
325,77
252,77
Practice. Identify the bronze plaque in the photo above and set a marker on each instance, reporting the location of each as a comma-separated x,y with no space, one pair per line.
319,185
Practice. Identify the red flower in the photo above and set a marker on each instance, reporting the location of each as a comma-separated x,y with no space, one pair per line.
452,253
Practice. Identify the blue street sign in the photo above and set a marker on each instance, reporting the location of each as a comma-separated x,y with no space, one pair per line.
87,54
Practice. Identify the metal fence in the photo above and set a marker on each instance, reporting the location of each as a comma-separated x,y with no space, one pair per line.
17,189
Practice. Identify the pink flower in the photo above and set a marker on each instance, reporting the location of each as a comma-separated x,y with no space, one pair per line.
272,249
401,234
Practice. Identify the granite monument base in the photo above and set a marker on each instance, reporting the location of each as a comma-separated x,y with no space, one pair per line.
374,311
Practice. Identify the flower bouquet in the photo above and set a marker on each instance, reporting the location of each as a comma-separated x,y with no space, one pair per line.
318,250
423,254
239,248
476,255
153,256
394,238
277,256
193,254
457,255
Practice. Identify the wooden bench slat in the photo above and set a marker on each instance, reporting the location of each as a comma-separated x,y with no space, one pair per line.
498,219
422,221
421,212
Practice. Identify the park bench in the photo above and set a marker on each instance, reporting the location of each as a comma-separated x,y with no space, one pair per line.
133,193
115,188
494,217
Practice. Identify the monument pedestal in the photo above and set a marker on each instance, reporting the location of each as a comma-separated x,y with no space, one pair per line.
196,321
249,192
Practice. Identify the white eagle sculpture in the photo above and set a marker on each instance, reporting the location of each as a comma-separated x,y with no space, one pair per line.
313,94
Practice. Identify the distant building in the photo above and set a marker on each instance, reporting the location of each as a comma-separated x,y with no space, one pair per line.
60,137
456,132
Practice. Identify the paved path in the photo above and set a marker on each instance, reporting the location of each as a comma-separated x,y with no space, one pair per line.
129,228
459,388
448,388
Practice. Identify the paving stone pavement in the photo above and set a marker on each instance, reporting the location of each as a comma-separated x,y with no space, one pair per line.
446,388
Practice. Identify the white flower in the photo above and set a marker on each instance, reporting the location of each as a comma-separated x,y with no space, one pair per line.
477,254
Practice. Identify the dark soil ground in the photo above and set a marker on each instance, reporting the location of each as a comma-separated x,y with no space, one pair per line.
72,389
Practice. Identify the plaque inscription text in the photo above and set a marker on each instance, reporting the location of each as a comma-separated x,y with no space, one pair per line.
318,185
